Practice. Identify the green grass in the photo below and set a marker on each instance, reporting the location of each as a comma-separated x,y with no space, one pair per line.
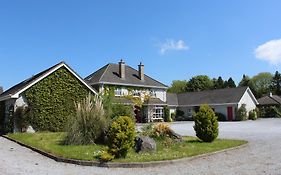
191,146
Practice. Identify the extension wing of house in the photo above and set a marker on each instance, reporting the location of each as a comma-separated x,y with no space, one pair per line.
225,101
127,81
51,94
270,100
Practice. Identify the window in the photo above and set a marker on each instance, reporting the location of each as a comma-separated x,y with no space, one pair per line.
152,93
118,92
136,93
157,112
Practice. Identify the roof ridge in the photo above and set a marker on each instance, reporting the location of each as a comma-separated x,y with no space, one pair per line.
104,71
89,76
274,99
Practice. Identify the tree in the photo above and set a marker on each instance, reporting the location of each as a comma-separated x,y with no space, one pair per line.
247,81
261,83
199,83
178,86
230,83
219,83
276,83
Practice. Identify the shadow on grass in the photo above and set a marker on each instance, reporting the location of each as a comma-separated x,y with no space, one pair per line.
195,141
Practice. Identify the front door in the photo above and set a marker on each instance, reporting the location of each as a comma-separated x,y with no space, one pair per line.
229,113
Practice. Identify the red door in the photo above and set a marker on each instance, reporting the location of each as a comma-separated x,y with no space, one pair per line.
229,113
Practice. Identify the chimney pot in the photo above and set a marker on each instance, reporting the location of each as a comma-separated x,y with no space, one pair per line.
270,94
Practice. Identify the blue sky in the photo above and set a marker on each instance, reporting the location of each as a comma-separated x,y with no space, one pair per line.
173,39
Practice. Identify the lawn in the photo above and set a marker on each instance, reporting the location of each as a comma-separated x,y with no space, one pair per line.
51,143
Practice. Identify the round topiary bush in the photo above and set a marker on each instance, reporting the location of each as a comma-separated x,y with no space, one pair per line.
121,136
206,124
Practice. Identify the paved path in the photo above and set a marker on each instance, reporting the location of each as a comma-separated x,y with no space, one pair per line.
262,156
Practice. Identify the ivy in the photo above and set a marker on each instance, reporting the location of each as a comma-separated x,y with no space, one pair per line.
52,100
2,116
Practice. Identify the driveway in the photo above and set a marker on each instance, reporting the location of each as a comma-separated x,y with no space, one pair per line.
262,156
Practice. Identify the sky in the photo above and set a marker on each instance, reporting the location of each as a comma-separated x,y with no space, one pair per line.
175,40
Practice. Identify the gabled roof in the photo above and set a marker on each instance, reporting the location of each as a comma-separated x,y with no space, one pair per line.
155,101
172,99
14,91
212,97
109,74
270,100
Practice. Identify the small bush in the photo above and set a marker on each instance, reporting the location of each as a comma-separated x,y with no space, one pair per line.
121,136
270,112
167,117
122,110
89,123
241,113
104,156
221,117
253,115
21,117
206,124
162,131
147,129
173,116
179,112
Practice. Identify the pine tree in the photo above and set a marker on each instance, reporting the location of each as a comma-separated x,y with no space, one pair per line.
230,83
276,83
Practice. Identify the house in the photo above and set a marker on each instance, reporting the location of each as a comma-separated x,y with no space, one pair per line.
128,83
270,100
225,101
58,84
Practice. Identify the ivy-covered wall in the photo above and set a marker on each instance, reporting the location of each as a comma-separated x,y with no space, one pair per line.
2,116
52,100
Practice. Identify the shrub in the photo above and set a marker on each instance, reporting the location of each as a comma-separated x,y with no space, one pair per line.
167,117
122,110
253,115
21,117
104,156
179,112
173,116
162,131
221,117
270,112
206,124
147,129
89,123
241,113
121,136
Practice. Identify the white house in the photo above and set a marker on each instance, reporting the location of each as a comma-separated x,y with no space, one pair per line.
225,101
127,81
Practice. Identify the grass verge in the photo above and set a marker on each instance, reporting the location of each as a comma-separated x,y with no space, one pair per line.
191,146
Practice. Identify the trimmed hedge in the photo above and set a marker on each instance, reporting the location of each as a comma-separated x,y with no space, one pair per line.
52,100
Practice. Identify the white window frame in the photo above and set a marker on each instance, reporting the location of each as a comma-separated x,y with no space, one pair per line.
118,92
157,112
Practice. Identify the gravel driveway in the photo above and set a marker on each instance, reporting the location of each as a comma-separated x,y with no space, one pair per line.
262,156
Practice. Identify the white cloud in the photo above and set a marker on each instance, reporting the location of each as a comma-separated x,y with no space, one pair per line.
171,44
270,51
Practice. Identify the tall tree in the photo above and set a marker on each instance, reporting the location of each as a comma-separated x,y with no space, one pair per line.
199,83
261,83
247,81
230,83
178,86
276,83
219,84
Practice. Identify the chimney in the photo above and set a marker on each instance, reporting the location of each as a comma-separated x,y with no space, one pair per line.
270,94
122,69
1,89
141,71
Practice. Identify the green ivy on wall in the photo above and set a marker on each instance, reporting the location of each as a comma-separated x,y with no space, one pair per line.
52,100
2,116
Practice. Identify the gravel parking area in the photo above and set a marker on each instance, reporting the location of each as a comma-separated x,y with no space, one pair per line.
262,156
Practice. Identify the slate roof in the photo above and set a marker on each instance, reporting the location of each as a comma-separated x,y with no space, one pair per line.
172,99
18,87
109,74
155,101
217,96
270,100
